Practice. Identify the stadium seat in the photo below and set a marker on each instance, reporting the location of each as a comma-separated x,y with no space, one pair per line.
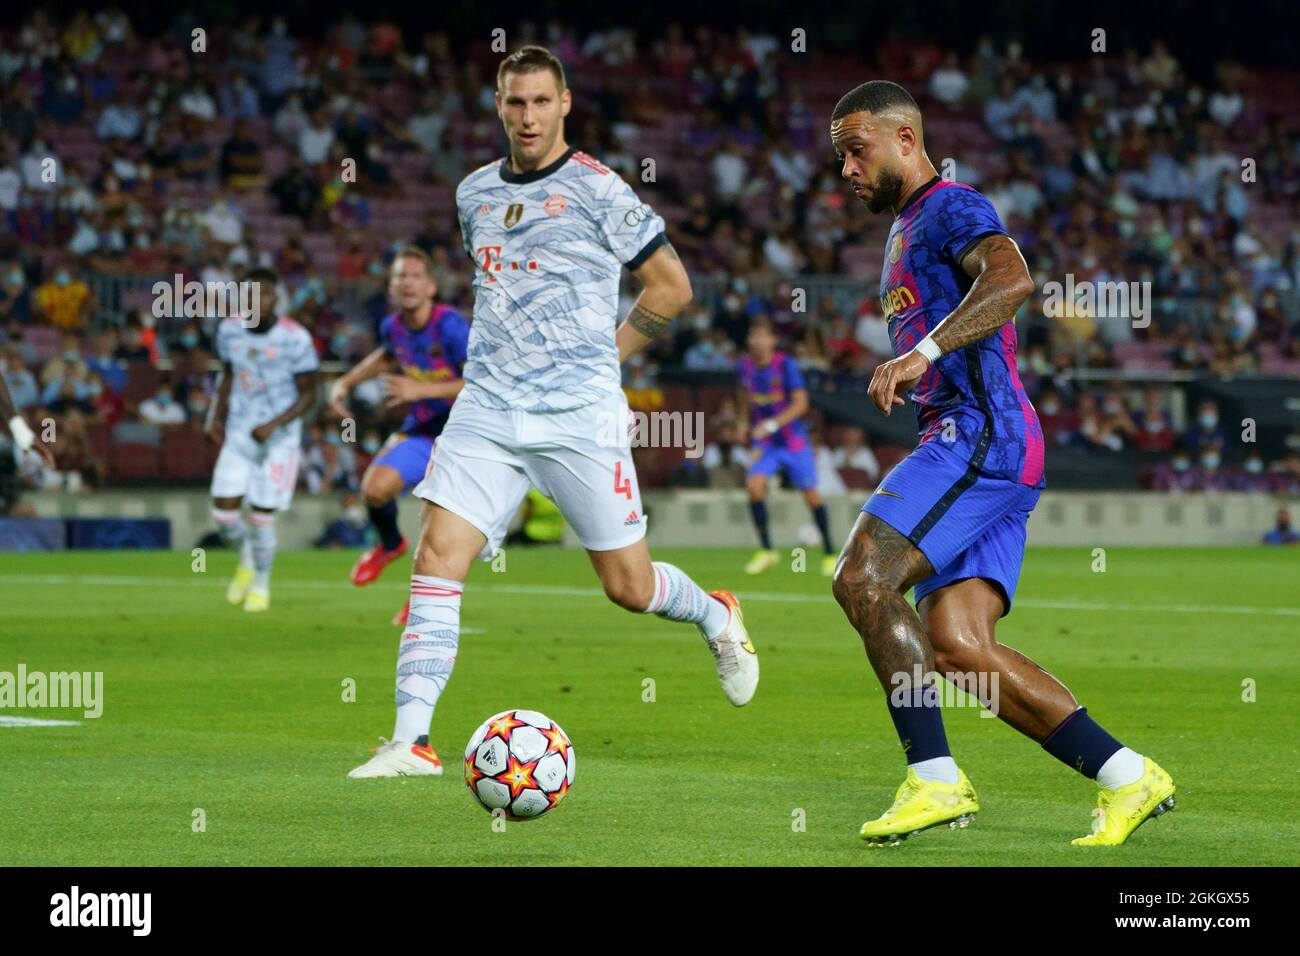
141,382
184,453
134,462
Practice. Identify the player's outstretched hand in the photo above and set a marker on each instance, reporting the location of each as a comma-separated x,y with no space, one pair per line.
400,390
216,433
894,377
262,432
43,450
339,395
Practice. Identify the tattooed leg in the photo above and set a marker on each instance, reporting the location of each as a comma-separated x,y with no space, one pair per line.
875,570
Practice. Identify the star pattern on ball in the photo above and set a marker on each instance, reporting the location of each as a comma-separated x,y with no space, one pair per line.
518,776
472,773
558,795
559,744
502,726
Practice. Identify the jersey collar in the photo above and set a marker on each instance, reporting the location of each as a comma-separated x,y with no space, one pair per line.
918,193
510,176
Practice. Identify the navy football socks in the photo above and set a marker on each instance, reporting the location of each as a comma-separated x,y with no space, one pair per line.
758,511
384,518
1081,744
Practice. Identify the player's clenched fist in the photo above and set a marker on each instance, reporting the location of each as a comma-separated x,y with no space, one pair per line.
895,376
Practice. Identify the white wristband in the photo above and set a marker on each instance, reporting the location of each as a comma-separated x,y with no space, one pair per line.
929,348
23,436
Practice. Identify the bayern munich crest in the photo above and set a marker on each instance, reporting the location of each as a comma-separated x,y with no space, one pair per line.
555,205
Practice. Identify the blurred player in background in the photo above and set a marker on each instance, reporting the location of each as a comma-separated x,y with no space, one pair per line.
426,343
21,433
268,382
950,519
772,400
550,230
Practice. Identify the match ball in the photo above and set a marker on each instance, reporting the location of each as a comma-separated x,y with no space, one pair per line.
521,762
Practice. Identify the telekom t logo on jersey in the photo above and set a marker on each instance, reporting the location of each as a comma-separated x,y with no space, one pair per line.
490,259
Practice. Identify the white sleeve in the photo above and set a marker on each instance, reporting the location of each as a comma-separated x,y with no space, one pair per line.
631,229
304,358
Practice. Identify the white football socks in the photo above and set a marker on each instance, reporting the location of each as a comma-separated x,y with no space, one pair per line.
261,541
678,598
230,526
1122,768
426,653
936,770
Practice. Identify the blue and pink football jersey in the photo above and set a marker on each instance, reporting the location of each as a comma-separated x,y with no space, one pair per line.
771,389
971,399
436,353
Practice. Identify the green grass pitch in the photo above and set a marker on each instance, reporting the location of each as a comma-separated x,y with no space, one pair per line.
242,716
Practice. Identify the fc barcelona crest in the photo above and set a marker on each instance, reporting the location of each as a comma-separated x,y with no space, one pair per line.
514,212
896,248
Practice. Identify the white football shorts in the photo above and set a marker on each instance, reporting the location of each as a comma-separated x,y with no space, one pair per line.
263,475
486,460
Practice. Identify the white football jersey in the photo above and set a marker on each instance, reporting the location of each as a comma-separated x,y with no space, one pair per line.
264,367
549,248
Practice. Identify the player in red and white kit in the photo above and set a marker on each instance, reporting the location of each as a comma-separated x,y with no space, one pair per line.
550,230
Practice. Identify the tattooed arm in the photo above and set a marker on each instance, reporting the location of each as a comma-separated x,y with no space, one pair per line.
667,290
1002,283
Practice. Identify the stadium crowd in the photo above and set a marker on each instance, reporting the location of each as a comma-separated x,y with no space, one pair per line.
127,158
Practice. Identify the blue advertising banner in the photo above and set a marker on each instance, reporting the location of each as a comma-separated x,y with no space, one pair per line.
117,533
31,534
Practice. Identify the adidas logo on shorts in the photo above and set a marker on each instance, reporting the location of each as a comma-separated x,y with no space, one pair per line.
631,519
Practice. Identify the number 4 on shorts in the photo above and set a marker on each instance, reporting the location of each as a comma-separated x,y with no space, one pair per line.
622,485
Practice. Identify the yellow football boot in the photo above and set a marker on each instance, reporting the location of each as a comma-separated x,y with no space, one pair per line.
1119,812
921,804
257,601
239,585
763,559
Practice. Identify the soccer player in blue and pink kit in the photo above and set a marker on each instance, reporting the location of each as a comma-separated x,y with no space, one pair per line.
772,400
950,519
425,342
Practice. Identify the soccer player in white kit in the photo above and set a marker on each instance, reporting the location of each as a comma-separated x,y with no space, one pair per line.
268,382
550,230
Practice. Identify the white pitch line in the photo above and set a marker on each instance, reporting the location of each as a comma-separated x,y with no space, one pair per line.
547,590
36,722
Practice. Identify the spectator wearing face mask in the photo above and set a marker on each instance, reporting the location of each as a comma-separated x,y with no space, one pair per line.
1252,475
15,295
21,382
1176,474
1059,423
1212,476
162,408
349,530
64,301
102,361
1155,430
1284,476
1282,532
1206,430
72,390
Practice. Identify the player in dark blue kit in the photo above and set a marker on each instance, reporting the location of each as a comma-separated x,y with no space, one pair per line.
772,400
950,519
426,342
